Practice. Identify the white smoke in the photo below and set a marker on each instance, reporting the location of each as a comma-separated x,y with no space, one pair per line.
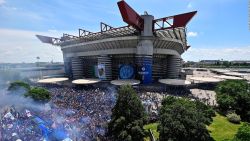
16,98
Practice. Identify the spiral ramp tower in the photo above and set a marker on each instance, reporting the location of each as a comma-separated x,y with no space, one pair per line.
159,67
77,67
173,66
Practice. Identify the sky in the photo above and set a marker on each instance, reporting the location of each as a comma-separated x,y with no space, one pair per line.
219,30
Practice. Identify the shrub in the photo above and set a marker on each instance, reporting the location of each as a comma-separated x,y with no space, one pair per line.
17,85
243,133
38,94
234,118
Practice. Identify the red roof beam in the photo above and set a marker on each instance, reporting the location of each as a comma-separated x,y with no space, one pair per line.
130,16
180,20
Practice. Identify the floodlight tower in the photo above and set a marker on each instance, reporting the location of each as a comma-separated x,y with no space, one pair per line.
38,64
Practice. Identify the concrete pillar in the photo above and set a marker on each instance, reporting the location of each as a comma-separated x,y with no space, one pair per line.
104,67
173,66
145,51
77,68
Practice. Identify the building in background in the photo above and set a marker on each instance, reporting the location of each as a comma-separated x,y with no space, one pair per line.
246,62
33,71
210,62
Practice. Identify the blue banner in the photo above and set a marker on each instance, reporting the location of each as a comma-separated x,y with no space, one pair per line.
145,71
126,72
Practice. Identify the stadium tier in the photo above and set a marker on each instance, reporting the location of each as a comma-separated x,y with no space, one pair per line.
147,49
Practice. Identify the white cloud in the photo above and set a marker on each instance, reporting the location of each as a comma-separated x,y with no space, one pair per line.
225,53
192,34
2,2
23,46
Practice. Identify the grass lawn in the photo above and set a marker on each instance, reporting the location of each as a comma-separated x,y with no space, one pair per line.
221,128
153,127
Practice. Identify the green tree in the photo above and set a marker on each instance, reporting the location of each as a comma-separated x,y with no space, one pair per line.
206,111
128,117
182,119
234,95
243,133
17,85
226,64
39,94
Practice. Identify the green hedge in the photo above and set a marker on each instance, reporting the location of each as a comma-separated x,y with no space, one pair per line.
18,84
38,94
243,133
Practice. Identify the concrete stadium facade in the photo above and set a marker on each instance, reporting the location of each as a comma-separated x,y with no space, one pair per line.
125,53
166,55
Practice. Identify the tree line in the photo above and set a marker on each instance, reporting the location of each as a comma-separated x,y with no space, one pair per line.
180,119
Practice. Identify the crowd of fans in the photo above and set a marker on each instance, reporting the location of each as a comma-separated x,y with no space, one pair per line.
151,102
82,114
206,96
90,106
16,126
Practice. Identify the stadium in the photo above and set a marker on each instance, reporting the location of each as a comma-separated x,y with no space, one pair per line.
147,49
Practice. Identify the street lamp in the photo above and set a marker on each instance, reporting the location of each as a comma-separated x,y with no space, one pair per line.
38,64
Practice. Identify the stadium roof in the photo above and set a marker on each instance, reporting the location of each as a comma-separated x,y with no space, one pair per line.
173,27
177,33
